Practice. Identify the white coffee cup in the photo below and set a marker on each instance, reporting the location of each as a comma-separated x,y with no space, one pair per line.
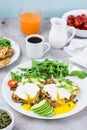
35,46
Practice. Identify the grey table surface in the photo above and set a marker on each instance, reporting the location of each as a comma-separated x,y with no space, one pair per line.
11,29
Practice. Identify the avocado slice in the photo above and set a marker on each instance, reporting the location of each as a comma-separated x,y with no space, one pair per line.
39,105
43,108
39,109
48,114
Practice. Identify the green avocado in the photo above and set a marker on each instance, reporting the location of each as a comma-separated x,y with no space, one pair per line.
48,114
39,109
43,108
39,105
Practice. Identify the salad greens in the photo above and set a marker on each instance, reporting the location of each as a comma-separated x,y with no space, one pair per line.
4,42
16,76
79,73
42,70
46,69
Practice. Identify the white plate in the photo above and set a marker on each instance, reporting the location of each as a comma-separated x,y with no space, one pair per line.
16,50
78,32
81,97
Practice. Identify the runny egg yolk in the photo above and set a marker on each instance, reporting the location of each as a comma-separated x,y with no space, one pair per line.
26,107
59,110
64,108
29,99
60,101
67,107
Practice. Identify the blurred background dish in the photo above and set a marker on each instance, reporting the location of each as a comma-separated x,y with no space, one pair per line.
78,19
6,119
8,53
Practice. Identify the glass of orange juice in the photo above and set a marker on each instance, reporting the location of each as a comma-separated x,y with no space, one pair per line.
30,22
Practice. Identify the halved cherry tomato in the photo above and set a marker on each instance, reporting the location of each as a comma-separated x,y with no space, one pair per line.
12,83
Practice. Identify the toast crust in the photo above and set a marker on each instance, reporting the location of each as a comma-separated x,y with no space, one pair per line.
5,54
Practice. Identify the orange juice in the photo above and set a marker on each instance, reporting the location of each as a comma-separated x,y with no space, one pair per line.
30,23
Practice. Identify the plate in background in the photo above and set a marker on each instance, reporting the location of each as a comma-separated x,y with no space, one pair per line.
78,32
16,54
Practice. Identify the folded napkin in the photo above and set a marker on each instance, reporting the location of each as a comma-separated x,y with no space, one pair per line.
76,46
80,59
78,50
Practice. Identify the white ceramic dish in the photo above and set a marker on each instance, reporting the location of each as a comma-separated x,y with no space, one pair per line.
10,126
81,97
78,32
16,50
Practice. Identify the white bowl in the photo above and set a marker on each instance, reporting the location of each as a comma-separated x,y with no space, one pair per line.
10,126
78,32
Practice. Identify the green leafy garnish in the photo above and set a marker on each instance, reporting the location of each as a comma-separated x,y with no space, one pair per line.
3,22
75,101
16,76
46,69
79,73
69,105
4,42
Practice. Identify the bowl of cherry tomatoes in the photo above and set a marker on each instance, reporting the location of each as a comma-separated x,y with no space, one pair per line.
78,19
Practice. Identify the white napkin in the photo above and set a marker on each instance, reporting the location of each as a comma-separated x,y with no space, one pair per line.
80,59
76,46
78,50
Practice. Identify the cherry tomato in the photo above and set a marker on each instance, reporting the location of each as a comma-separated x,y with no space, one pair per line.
71,17
79,21
83,18
12,83
83,15
70,22
85,26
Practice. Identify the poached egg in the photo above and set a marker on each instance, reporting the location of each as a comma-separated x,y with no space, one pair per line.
54,91
28,89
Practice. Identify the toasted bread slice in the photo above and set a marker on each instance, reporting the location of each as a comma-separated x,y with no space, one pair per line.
9,53
6,52
3,51
15,98
4,62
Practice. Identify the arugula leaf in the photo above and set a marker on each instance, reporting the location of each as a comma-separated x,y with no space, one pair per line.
46,69
79,73
16,76
4,42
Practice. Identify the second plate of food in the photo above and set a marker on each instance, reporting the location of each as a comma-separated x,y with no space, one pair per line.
9,51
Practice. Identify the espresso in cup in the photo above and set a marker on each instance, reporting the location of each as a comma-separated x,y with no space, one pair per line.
35,46
34,40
